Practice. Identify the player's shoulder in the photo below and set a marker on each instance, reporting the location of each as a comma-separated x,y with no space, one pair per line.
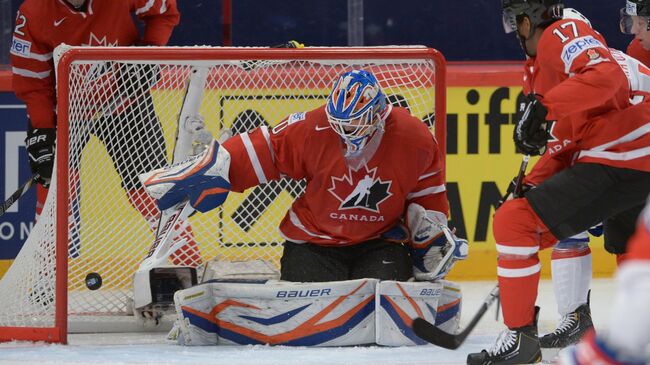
303,122
636,50
573,34
36,9
566,39
408,129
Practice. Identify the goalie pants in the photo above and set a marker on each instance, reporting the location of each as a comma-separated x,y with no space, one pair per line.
565,204
377,259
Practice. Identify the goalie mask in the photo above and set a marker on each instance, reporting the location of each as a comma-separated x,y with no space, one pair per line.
356,109
640,8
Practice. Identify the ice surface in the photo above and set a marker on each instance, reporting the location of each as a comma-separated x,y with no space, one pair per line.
152,348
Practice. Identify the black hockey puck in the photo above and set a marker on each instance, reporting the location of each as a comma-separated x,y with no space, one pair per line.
93,281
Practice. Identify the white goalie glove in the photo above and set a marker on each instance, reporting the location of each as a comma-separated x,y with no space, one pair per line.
192,137
434,247
203,180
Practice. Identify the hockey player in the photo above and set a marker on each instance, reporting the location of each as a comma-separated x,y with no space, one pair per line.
627,340
634,20
43,25
364,162
374,207
608,174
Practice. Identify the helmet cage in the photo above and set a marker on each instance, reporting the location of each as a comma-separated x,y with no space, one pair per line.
355,108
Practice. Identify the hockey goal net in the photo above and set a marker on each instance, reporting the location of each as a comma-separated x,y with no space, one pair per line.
117,116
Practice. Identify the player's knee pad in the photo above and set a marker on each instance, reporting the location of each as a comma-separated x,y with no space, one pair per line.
574,246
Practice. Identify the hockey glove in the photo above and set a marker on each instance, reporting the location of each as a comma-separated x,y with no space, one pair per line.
203,179
532,130
433,247
40,149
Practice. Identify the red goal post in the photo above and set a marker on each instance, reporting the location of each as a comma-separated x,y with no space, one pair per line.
117,113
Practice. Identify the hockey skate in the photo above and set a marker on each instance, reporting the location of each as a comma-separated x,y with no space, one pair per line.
513,346
570,330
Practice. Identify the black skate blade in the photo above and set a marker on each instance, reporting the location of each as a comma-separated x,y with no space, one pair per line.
432,334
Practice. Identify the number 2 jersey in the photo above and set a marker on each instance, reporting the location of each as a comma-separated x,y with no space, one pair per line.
589,91
42,25
342,205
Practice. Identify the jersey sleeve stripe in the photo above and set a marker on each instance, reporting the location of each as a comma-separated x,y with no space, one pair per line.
617,156
422,177
145,8
34,56
637,133
428,191
287,238
32,74
267,137
254,159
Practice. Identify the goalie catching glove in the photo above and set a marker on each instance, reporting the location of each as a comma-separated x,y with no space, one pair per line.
433,247
201,179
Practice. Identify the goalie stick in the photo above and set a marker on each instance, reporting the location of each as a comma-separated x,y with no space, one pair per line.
18,194
171,218
432,334
159,251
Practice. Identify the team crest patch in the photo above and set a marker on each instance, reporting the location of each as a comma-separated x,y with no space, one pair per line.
360,189
593,54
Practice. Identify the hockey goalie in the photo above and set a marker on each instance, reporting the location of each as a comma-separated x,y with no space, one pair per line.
367,246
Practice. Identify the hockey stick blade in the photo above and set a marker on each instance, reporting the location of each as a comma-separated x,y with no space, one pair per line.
18,194
432,334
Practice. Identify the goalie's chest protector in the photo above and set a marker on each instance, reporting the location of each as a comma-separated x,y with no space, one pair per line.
344,205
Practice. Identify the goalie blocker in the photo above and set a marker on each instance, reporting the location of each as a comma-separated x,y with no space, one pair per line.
342,313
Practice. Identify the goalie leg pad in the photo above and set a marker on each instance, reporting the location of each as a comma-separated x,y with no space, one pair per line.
194,325
397,304
449,307
203,179
283,313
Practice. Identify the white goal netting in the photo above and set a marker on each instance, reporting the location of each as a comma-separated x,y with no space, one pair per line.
121,110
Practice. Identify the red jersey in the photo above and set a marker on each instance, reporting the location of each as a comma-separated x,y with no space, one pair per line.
341,205
588,94
41,25
637,51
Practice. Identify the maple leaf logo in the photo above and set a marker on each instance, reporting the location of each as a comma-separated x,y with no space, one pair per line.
360,189
95,41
